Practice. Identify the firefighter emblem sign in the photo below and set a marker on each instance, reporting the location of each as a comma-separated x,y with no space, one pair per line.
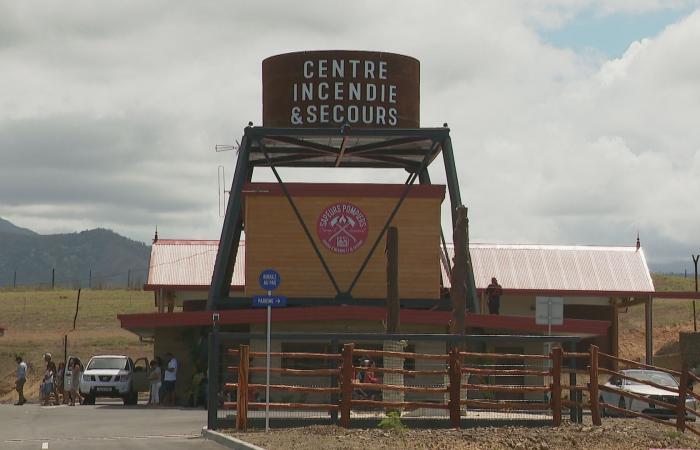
342,227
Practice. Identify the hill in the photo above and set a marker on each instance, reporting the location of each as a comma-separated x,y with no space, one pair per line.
9,227
97,258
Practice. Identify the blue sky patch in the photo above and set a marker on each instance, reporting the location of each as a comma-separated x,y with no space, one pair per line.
611,35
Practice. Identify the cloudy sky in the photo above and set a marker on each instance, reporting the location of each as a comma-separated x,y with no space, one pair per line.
574,121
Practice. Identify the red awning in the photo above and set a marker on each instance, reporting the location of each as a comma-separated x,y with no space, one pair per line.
135,322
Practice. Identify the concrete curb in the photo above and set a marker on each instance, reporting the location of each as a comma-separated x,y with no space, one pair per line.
228,441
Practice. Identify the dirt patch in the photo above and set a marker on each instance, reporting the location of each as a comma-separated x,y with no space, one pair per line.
612,435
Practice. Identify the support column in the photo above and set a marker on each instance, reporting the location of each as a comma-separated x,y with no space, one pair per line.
614,332
231,230
393,318
649,330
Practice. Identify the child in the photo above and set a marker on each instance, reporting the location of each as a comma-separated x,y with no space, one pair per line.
47,385
75,376
154,378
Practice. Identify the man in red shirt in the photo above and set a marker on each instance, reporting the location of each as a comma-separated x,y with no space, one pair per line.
494,291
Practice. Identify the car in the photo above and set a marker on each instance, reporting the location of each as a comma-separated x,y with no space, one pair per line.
650,392
114,376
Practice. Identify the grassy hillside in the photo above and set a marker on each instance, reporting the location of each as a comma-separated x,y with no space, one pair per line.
670,318
36,322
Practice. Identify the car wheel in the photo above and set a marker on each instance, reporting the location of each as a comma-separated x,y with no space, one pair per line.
132,398
89,400
603,411
621,404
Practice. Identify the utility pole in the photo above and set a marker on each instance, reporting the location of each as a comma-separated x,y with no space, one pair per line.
695,263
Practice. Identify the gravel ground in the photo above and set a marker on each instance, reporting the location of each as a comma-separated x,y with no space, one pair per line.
613,434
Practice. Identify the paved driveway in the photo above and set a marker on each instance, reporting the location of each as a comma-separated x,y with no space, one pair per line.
103,427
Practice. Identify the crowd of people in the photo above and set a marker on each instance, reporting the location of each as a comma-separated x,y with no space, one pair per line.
162,378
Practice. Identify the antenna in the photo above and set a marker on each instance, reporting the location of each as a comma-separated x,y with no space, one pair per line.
227,148
221,177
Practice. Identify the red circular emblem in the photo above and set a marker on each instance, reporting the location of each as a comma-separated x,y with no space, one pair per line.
342,227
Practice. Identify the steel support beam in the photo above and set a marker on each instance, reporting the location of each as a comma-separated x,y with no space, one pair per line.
231,230
455,201
452,180
649,330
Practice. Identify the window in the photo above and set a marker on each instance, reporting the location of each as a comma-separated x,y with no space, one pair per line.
108,363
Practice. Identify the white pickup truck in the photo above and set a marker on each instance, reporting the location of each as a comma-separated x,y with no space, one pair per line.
114,376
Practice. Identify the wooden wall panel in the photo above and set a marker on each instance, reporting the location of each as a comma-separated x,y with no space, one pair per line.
275,239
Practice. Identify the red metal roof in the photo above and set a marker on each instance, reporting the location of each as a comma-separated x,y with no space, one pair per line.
188,265
362,313
560,269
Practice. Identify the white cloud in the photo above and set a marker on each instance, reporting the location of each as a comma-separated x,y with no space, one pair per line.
114,110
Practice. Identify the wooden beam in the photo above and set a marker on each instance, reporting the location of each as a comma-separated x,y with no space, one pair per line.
649,330
392,281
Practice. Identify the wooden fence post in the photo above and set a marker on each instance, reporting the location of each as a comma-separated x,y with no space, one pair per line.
455,376
555,394
346,385
682,394
593,386
242,397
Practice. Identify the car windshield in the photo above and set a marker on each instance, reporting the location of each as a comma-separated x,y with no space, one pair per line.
661,378
108,363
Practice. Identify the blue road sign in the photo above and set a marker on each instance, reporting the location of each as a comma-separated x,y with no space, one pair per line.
275,301
269,279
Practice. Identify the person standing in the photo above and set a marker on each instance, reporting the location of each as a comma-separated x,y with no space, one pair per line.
154,378
47,383
170,379
75,375
494,291
21,379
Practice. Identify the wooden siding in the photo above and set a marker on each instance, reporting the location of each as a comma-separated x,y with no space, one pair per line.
275,239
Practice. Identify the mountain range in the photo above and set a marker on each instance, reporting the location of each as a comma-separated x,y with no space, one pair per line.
93,258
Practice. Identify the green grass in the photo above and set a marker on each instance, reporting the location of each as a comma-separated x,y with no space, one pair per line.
663,282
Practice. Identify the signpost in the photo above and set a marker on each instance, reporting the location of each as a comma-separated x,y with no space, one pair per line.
549,311
269,280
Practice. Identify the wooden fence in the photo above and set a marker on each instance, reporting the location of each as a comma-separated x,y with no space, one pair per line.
597,405
456,367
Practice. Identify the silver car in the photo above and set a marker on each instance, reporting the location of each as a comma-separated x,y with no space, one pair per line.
650,392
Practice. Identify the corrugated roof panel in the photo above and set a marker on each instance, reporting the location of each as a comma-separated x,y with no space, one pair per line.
527,267
557,267
189,263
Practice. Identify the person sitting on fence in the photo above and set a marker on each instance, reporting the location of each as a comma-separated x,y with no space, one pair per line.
367,376
370,376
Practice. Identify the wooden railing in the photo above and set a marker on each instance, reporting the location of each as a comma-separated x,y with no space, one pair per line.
680,408
456,365
451,389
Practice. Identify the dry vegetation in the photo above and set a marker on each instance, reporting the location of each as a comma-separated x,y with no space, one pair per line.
36,322
670,318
